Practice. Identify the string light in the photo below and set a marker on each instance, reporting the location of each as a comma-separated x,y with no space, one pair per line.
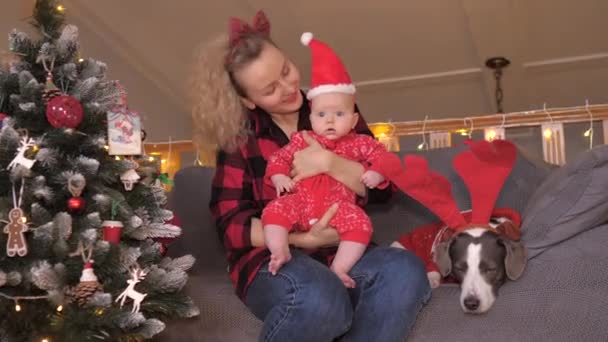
60,8
80,60
117,158
106,147
548,133
45,340
491,135
588,132
99,312
151,158
23,219
60,308
423,144
17,306
36,148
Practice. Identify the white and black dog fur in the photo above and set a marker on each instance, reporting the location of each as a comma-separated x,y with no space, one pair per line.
481,261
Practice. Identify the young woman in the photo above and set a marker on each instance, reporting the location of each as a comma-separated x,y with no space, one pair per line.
247,102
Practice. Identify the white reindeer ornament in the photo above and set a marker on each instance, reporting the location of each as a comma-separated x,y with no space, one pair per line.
137,274
20,158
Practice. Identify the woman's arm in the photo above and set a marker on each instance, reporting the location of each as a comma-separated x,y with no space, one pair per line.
314,160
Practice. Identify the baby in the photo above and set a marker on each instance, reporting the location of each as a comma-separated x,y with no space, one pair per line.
333,119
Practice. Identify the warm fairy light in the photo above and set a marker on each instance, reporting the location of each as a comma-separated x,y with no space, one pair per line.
106,147
163,161
17,307
548,133
45,340
23,219
60,8
491,135
421,146
382,135
462,132
80,60
99,312
36,148
117,158
60,308
588,132
151,159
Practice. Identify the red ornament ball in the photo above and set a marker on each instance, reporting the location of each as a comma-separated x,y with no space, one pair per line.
76,204
64,111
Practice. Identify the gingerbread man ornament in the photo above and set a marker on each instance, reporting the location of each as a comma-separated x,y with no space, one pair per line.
16,244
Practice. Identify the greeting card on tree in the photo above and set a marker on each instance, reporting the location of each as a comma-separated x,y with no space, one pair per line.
124,132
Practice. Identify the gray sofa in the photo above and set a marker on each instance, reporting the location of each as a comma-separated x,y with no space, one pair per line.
563,295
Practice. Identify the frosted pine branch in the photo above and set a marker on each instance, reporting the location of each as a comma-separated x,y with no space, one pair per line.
166,282
100,300
46,277
130,321
128,257
67,44
151,327
48,157
183,263
88,166
62,224
156,230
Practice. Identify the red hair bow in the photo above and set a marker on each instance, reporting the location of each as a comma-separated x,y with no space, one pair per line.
239,29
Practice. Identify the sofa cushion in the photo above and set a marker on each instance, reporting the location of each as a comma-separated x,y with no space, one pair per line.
404,214
571,200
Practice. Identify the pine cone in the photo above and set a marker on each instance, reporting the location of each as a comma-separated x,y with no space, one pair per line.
49,94
84,290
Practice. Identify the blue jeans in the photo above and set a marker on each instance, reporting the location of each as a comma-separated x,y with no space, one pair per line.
306,301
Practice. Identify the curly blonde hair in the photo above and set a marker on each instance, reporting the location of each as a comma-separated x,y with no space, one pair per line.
218,115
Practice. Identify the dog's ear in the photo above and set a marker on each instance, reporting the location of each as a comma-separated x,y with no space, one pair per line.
516,258
442,257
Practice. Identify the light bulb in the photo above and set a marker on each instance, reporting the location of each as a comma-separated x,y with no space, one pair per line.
23,219
60,308
60,8
17,307
421,146
588,132
464,132
491,135
151,159
45,340
117,158
163,161
548,133
80,60
106,147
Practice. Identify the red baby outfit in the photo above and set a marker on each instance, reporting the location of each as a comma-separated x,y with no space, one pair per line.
483,168
314,195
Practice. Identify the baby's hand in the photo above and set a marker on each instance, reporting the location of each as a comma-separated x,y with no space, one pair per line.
282,183
372,179
434,279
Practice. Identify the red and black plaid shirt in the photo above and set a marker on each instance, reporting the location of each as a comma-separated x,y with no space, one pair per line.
239,194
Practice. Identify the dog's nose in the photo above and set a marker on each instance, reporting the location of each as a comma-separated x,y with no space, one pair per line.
471,303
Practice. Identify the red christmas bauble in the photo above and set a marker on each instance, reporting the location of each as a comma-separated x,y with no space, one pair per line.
64,111
76,204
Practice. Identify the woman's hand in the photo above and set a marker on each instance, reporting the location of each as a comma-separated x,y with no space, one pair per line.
310,161
320,234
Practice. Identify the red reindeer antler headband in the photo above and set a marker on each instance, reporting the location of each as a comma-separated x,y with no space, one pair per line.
484,169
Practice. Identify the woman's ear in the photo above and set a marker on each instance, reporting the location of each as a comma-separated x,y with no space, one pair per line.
247,103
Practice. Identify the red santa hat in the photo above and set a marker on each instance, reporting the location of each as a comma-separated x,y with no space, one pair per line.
329,74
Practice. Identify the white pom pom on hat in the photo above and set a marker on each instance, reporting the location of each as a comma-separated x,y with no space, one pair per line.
306,38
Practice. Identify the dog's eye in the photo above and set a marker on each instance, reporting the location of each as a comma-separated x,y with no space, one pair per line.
460,268
490,269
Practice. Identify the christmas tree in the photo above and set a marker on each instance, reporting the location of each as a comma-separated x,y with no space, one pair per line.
80,251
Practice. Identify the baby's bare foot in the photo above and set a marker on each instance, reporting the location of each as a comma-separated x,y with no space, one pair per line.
434,279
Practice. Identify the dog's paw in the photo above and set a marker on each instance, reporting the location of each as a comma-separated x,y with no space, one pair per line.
434,279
